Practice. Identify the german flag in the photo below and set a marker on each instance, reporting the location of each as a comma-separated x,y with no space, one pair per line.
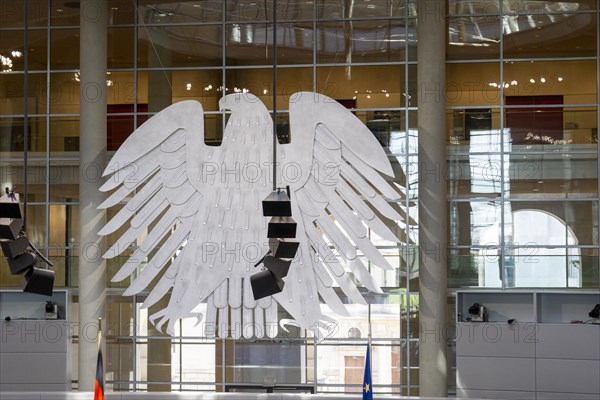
99,384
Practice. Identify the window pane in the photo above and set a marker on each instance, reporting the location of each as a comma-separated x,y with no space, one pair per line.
11,51
550,35
12,13
336,9
552,176
36,224
64,13
120,363
480,175
64,93
253,361
361,41
161,88
474,267
481,123
546,7
64,135
121,12
547,78
187,366
64,183
38,50
475,223
543,267
120,44
180,46
259,82
160,11
250,10
473,38
251,44
11,176
558,222
361,87
470,85
64,49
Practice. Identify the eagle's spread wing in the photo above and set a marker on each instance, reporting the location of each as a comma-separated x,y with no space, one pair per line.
194,212
334,166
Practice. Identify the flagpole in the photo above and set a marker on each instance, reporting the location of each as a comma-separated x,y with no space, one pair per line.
99,332
99,382
367,390
369,345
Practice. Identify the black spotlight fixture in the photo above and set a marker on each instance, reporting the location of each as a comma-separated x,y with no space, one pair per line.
478,312
595,313
282,249
21,254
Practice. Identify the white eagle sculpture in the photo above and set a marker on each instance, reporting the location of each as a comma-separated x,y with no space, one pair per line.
195,213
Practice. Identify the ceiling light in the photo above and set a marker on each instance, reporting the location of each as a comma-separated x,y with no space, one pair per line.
560,78
188,86
532,80
543,80
16,54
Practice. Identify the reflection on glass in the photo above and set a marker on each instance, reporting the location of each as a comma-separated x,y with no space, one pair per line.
360,88
259,83
64,134
253,361
187,11
553,175
473,37
361,41
337,9
471,267
573,81
122,371
11,51
180,46
186,367
550,35
120,41
473,85
251,44
64,13
64,49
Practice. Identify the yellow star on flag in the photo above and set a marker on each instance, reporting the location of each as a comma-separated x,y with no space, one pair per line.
366,388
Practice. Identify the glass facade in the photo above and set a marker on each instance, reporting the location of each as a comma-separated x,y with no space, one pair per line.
521,91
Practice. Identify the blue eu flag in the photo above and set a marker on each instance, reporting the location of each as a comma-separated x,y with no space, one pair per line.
367,387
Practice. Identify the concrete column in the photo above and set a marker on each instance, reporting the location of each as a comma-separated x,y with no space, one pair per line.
92,268
433,210
160,96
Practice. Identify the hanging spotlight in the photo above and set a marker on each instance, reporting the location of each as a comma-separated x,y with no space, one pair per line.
20,253
282,250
